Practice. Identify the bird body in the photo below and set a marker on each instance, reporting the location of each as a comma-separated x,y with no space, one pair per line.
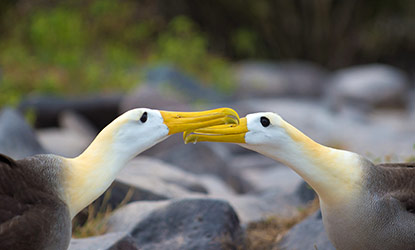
31,204
364,206
40,195
380,215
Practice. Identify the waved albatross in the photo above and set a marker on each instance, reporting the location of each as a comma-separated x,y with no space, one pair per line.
364,206
40,195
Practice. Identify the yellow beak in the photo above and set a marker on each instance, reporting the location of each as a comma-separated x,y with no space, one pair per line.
234,133
189,121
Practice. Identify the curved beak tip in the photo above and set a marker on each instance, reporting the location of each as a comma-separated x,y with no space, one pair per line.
190,121
232,133
189,139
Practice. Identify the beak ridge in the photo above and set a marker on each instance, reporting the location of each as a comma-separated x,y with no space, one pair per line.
189,121
232,133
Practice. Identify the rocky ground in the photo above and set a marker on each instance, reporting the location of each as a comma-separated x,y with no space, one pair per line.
209,196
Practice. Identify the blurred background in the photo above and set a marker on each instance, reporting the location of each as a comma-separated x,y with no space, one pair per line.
80,47
99,58
342,71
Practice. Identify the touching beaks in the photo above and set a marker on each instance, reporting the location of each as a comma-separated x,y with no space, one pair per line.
189,121
233,133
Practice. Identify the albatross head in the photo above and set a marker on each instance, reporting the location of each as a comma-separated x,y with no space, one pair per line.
90,174
254,131
139,129
334,174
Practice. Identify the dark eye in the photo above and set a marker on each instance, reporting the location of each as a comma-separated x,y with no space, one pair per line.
265,121
143,118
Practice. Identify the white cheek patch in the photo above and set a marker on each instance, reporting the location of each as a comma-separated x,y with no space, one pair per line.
261,137
158,123
164,130
258,134
135,134
155,114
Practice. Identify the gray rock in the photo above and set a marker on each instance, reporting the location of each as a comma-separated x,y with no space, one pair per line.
144,168
250,160
179,224
166,146
17,138
149,179
250,208
257,206
367,87
266,79
206,158
283,203
276,189
110,241
127,217
78,123
189,224
307,235
411,104
277,176
71,138
215,186
62,141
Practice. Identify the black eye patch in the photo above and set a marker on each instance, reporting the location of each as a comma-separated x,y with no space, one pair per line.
143,118
265,121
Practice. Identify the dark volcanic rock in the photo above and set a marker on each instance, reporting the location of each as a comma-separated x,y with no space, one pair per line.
179,224
17,139
189,224
99,110
110,241
307,235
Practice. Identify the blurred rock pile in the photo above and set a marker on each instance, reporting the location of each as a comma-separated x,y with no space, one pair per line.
203,196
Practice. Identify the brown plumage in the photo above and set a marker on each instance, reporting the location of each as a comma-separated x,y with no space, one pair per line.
396,180
382,215
32,216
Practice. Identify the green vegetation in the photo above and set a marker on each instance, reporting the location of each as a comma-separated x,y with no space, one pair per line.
80,47
86,46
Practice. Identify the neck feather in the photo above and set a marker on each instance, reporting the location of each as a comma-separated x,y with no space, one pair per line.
334,174
91,173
